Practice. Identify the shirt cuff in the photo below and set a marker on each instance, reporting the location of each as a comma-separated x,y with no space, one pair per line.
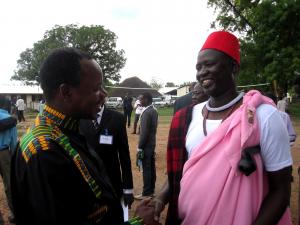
127,191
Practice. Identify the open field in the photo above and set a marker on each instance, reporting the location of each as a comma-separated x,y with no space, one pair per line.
162,135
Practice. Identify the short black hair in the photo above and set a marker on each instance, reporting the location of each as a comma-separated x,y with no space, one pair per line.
61,66
148,96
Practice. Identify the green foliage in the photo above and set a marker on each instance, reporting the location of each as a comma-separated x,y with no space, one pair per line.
170,84
156,84
270,38
100,43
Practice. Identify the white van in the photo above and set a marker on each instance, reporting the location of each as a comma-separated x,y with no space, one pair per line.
114,102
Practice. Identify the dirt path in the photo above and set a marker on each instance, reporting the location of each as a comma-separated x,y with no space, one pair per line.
162,136
161,165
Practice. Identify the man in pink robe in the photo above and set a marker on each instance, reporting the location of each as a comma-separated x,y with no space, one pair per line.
213,188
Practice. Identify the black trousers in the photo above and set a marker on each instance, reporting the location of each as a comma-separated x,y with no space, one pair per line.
149,171
136,120
127,114
21,115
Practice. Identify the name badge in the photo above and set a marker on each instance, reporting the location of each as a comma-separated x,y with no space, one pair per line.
106,139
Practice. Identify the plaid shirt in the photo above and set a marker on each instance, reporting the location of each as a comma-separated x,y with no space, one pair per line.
176,157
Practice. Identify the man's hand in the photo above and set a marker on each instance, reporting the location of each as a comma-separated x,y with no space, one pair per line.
158,206
139,158
128,200
145,211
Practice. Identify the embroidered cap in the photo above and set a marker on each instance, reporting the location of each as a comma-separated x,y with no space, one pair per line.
225,42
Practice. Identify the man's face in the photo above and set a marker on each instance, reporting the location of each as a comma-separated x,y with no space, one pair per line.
89,96
198,94
143,101
214,72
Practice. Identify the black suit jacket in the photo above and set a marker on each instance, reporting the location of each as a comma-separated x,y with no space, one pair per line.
116,157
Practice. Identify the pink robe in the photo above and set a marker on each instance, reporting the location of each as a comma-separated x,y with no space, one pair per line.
213,190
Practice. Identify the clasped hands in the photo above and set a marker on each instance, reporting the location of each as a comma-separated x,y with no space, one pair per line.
149,210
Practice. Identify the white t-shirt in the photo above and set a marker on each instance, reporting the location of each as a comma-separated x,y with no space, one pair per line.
20,104
281,105
138,108
274,139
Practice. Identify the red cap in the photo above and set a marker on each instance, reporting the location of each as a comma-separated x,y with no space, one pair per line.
225,42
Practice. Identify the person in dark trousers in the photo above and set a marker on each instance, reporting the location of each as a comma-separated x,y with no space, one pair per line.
146,146
8,141
56,178
20,104
184,100
107,135
127,107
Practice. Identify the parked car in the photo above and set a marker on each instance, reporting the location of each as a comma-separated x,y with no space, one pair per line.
158,102
114,102
170,99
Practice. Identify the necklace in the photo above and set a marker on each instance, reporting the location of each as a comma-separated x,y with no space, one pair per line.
223,107
206,112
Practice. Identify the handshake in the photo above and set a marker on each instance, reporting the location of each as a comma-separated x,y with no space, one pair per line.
149,210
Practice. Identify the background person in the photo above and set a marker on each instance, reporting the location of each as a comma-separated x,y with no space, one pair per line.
127,107
146,145
8,142
20,104
138,111
282,104
198,94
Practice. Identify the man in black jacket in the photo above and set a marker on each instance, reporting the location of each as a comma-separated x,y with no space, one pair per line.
127,107
108,137
56,179
146,146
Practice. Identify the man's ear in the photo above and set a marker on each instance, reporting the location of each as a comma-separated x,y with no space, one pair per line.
65,91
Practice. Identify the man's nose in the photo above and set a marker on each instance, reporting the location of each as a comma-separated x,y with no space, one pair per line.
201,73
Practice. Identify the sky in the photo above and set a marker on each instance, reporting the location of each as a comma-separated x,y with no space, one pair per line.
161,38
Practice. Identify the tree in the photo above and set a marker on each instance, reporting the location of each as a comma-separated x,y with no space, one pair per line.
170,84
270,37
156,84
100,43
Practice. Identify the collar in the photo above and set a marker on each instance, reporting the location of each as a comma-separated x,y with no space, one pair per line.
147,107
100,113
62,121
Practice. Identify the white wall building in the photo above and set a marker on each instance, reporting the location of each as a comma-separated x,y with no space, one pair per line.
183,90
31,94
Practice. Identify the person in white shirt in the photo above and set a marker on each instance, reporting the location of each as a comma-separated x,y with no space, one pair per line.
282,104
138,111
20,104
